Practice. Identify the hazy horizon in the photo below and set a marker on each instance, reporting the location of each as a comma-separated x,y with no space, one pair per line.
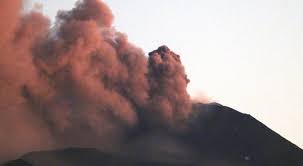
243,54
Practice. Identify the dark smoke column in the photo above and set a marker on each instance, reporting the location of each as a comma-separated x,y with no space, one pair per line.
170,102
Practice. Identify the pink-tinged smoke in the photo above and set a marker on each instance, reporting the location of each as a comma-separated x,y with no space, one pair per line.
80,82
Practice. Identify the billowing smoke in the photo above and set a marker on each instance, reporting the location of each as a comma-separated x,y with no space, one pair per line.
168,81
80,82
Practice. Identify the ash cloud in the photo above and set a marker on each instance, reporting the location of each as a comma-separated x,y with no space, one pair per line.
168,96
81,82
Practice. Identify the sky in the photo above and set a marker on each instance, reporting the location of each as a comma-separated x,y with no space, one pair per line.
245,54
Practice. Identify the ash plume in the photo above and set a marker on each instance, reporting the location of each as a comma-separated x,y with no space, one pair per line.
168,82
80,82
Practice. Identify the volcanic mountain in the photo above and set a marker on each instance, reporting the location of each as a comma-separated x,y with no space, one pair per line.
78,87
217,136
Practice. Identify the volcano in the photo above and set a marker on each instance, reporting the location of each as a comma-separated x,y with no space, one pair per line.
75,91
218,135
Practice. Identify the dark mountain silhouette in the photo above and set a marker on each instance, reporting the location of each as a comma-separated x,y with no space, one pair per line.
84,157
222,133
217,136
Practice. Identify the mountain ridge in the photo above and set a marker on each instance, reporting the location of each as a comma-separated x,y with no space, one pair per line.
216,135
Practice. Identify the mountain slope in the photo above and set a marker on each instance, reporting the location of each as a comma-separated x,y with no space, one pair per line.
222,131
83,157
217,135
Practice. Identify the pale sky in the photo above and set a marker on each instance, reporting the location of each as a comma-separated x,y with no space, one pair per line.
246,54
